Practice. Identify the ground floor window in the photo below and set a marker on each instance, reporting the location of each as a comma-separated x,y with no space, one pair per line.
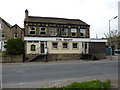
33,47
54,45
75,45
65,45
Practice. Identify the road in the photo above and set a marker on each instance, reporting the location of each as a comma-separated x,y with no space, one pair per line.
31,75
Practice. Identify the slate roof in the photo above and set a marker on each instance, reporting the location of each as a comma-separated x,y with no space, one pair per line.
55,20
6,23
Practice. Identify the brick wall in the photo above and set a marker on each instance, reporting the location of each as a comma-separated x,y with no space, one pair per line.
98,48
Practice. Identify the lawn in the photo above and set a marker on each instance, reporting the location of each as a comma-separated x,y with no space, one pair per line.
86,85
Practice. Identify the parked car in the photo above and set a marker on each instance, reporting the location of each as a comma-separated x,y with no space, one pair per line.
117,51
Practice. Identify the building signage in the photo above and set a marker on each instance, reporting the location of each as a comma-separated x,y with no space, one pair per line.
64,39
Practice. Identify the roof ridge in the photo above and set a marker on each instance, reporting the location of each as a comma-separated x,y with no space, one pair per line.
54,18
9,25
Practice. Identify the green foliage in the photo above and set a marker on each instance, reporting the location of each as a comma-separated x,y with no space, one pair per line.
3,53
86,85
91,84
15,46
115,38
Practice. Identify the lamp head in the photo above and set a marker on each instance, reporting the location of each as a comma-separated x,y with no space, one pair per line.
115,17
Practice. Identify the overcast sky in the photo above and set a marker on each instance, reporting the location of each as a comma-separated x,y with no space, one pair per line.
96,13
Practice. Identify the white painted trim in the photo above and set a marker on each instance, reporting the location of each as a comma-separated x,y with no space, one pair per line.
63,39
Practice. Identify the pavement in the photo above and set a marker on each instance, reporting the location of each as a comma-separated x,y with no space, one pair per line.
66,81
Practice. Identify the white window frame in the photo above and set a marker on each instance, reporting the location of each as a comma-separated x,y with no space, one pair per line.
54,47
31,48
53,31
63,46
32,30
75,43
74,30
15,35
62,34
1,26
3,34
85,47
83,31
42,31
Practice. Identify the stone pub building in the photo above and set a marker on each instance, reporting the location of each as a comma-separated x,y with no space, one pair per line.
59,39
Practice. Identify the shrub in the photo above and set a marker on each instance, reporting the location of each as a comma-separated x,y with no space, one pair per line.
15,46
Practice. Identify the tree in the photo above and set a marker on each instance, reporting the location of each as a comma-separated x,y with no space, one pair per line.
15,46
115,38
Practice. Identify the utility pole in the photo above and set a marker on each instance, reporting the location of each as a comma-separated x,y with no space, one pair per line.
110,38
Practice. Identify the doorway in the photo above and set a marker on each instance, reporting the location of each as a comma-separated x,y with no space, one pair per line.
43,45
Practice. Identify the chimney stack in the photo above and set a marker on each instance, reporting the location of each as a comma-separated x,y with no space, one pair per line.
26,14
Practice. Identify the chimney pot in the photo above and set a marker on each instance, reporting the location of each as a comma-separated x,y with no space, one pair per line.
26,14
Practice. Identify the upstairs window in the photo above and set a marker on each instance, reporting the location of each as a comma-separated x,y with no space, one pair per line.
32,47
42,31
32,30
53,31
1,26
65,45
83,32
55,45
73,32
64,32
15,35
3,35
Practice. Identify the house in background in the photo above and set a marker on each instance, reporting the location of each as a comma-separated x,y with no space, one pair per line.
8,31
59,39
17,32
5,29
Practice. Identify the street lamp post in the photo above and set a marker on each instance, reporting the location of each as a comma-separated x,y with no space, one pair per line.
110,38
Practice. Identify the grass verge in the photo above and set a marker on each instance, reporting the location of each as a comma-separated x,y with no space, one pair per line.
86,85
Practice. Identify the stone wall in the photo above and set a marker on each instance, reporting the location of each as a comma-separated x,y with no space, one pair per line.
11,59
54,57
64,57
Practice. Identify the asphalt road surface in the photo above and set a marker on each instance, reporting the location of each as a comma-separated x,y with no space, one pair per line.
31,75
